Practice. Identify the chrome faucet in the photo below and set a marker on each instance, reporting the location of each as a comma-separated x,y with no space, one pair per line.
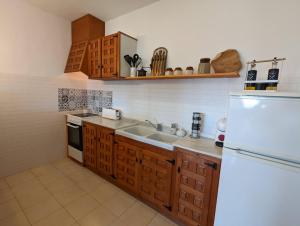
157,126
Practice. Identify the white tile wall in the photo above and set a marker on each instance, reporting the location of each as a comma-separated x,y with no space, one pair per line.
32,129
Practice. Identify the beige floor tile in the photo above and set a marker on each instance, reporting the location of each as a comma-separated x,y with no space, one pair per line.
8,208
26,188
33,197
68,195
104,192
138,215
5,195
19,178
15,220
91,184
98,217
119,203
58,218
47,179
41,210
60,184
160,220
44,170
66,166
3,185
81,206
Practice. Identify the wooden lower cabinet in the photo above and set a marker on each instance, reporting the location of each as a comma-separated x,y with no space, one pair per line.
196,188
127,165
181,184
98,148
156,178
105,146
89,146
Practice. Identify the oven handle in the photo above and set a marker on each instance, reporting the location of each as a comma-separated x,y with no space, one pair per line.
70,125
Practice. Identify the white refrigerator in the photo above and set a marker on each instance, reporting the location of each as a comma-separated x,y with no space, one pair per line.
260,173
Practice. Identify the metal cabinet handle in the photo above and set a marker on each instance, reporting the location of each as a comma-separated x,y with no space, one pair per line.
70,125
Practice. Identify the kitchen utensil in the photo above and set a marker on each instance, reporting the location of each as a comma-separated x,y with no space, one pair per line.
136,60
159,61
227,61
204,66
129,60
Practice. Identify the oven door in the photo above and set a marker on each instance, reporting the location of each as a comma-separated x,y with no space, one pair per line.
75,136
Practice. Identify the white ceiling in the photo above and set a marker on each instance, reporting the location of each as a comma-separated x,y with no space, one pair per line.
103,9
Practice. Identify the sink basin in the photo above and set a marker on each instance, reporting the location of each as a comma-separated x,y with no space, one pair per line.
149,135
163,137
139,130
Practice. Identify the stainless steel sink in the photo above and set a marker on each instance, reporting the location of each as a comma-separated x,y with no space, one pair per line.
163,137
139,130
149,135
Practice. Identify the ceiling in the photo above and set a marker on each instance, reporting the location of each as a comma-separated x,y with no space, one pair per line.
103,9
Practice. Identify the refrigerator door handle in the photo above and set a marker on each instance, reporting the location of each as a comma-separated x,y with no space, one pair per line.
274,159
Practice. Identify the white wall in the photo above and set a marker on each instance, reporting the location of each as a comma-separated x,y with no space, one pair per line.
33,50
193,29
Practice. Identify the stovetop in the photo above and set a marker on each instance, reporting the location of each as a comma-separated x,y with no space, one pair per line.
83,115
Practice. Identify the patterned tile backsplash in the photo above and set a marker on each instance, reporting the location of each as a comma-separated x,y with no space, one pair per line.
79,99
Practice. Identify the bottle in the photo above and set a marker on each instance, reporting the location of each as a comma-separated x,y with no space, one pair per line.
273,74
251,76
204,66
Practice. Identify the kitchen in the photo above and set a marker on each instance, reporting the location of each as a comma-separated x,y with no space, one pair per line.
36,37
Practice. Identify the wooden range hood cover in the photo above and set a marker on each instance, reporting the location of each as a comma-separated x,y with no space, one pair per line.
84,30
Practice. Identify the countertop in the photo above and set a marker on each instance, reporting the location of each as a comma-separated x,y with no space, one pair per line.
109,123
203,145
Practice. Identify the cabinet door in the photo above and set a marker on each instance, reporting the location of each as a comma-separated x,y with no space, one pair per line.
110,56
94,59
76,57
193,188
90,145
156,178
105,150
126,165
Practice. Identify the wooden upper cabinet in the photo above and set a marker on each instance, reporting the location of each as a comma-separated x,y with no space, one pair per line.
105,145
94,59
110,56
196,188
114,48
84,30
156,178
89,145
87,28
77,60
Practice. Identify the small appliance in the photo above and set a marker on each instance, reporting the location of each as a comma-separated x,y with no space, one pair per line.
220,134
111,113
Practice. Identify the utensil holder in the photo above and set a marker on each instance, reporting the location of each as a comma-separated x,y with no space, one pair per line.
133,72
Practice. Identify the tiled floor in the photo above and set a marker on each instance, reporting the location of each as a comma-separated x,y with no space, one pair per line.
64,193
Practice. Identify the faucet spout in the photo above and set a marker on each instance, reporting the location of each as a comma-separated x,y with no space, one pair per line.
157,126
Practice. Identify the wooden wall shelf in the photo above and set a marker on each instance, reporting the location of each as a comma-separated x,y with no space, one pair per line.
194,76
